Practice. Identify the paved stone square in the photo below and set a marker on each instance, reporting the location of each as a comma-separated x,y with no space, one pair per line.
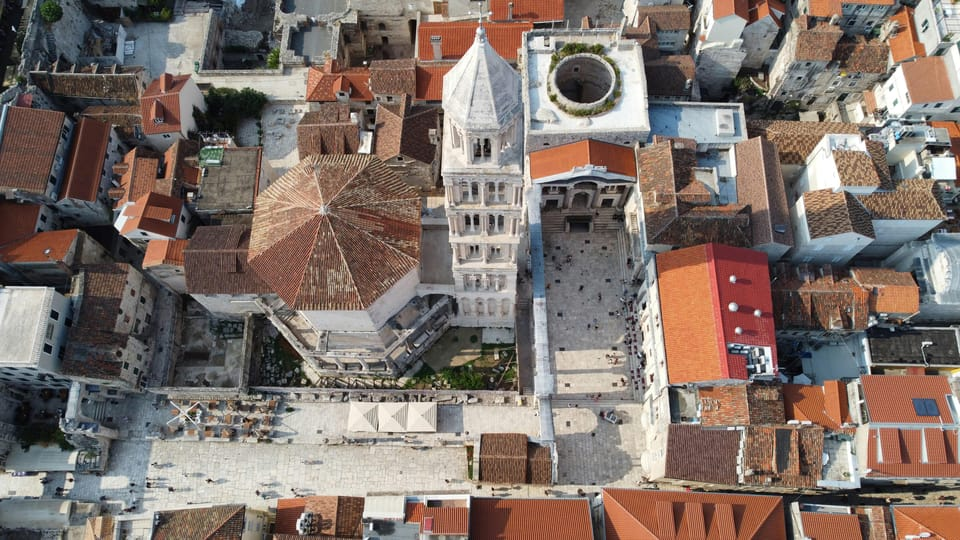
592,451
584,272
168,47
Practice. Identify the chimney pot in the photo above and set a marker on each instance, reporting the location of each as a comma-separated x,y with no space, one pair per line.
510,11
437,43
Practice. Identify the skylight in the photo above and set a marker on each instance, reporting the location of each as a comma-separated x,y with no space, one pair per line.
925,407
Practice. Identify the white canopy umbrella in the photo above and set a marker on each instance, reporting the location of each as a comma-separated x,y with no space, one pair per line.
422,417
363,416
392,417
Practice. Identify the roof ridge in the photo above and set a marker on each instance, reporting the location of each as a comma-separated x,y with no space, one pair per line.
627,511
347,159
229,516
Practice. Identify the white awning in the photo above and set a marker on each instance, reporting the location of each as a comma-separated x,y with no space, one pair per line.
392,417
391,507
363,416
422,417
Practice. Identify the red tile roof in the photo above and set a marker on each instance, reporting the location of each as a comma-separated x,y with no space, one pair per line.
430,80
160,104
17,220
564,159
824,526
414,512
138,175
690,276
215,262
939,521
153,213
323,83
34,248
457,36
530,519
698,453
85,167
28,147
953,131
724,8
904,45
527,10
889,398
891,291
214,523
636,514
741,404
445,521
823,405
164,252
339,517
335,232
928,80
929,452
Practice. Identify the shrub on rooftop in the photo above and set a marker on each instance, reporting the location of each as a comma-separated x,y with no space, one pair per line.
50,11
273,59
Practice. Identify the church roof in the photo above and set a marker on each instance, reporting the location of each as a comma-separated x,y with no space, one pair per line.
482,91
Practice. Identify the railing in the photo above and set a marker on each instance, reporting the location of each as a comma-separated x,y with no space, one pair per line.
948,18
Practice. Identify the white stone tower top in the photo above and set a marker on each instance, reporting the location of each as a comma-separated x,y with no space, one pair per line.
482,91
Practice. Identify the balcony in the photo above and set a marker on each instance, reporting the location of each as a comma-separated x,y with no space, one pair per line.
948,18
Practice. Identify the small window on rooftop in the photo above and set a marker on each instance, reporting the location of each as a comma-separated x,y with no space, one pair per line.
925,407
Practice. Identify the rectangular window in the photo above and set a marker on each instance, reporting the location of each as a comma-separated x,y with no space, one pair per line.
925,25
47,348
54,314
126,365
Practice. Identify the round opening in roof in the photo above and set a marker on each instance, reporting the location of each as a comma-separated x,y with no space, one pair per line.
584,84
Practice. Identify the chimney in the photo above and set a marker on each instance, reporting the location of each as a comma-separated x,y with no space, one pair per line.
165,82
509,11
436,42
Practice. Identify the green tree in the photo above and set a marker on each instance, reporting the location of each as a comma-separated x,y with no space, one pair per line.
227,106
273,59
50,11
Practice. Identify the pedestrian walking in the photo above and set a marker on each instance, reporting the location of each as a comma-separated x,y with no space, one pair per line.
209,480
257,492
155,464
132,484
170,489
581,288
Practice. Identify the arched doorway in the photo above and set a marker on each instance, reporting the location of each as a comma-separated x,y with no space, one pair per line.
580,200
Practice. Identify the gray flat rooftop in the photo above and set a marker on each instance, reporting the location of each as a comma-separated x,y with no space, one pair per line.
436,258
888,347
22,314
311,42
698,121
232,186
314,7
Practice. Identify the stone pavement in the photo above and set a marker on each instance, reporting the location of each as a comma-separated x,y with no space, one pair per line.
168,47
591,451
584,318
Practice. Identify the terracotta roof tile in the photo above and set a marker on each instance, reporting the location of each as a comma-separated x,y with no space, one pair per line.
138,174
927,80
323,83
86,162
457,36
215,262
805,299
912,200
214,523
160,104
939,521
855,168
817,42
164,252
904,44
503,458
338,517
94,339
28,147
430,80
672,199
795,140
632,514
565,158
760,185
530,519
328,130
892,291
405,131
786,456
668,76
527,10
889,398
125,119
701,454
37,247
93,82
414,512
861,55
155,213
741,405
666,18
829,213
393,77
439,520
346,228
725,8
900,453
824,405
690,276
17,220
824,526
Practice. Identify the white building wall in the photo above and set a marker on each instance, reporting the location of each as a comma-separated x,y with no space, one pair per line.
925,21
32,330
375,316
837,249
231,305
894,233
757,39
